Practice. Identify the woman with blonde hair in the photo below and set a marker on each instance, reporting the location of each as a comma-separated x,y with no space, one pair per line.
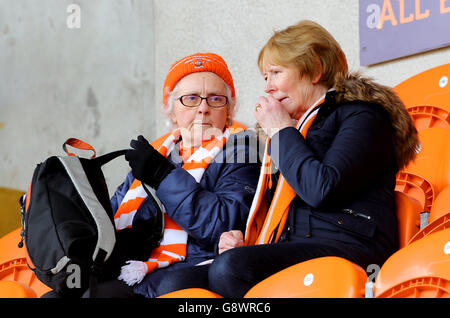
335,143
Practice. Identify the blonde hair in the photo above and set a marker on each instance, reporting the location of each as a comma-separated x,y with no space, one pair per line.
308,47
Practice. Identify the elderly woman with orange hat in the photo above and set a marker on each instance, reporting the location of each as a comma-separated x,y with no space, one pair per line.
204,173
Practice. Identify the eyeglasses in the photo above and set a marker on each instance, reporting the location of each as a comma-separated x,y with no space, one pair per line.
214,101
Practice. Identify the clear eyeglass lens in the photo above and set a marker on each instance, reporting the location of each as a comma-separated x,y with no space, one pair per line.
190,100
216,101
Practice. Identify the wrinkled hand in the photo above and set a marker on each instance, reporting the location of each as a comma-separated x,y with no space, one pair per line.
147,164
272,116
230,239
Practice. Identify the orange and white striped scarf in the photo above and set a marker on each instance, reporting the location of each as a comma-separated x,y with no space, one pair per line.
263,221
173,245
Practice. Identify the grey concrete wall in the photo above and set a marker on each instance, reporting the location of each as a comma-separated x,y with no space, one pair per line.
94,83
103,82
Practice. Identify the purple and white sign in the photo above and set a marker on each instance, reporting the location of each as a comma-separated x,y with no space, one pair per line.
390,29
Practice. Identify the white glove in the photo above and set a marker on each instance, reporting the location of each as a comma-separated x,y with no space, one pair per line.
133,273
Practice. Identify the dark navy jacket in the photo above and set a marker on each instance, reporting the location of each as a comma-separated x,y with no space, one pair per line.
344,177
219,203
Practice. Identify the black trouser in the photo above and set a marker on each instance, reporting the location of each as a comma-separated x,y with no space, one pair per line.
186,277
234,272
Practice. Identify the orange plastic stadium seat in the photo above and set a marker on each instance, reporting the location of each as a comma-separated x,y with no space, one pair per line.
416,187
419,270
430,117
441,205
439,224
191,293
431,87
433,160
439,216
11,289
408,217
324,277
14,268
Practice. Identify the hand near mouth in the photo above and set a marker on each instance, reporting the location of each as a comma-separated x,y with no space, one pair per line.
272,116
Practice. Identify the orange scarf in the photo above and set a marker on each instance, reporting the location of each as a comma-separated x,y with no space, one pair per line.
173,245
262,222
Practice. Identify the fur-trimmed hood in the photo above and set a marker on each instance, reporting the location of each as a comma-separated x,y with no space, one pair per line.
355,87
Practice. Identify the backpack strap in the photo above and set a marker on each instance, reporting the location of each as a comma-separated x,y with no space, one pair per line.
79,144
106,232
104,159
151,193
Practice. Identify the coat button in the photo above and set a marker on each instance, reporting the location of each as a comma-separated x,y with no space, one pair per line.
340,222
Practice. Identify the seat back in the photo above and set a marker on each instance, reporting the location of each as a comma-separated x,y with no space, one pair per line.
430,117
12,289
433,160
408,217
441,205
419,270
416,187
13,266
431,87
438,224
324,277
439,216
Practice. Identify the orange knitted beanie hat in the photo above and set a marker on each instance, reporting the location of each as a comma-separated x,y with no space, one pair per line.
199,62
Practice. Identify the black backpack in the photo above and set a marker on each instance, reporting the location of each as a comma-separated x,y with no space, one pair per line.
68,226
